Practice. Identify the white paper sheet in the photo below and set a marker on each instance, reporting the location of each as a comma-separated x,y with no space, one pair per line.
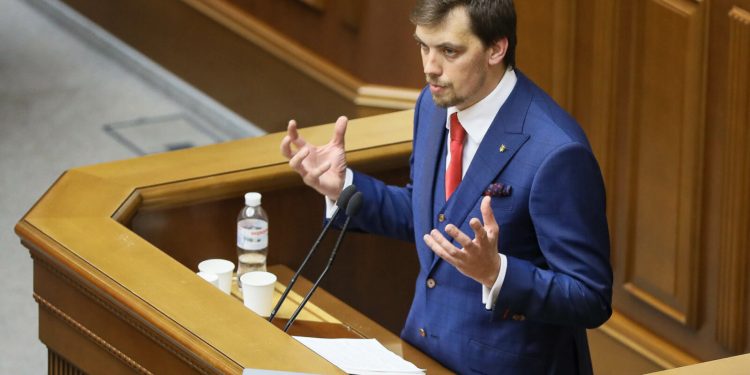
360,356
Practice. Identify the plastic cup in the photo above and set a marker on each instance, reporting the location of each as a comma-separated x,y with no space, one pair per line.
222,268
257,291
210,277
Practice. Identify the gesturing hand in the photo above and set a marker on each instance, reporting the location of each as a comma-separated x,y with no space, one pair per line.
478,258
322,167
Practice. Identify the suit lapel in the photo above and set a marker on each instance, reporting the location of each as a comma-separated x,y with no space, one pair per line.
432,135
487,164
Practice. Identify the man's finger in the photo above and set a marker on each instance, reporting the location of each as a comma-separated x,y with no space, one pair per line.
291,137
459,236
445,244
317,172
296,161
339,130
286,151
480,234
286,147
291,130
438,250
487,215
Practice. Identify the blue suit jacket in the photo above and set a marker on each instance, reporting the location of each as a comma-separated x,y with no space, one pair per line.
553,231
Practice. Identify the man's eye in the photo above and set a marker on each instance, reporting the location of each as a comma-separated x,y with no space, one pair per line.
449,52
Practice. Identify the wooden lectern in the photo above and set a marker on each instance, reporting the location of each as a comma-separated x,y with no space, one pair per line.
116,247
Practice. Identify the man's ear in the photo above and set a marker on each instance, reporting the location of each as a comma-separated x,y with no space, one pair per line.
497,51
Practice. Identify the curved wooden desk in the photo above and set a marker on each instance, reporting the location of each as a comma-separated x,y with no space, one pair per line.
115,248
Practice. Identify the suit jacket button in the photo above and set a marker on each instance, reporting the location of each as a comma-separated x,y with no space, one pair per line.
422,332
519,317
441,218
431,283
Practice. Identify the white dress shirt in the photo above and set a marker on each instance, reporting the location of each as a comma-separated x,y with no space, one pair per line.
476,120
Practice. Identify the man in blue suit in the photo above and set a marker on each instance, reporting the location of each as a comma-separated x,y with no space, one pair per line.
506,204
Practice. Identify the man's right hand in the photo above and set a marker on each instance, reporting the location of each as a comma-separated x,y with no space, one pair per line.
322,167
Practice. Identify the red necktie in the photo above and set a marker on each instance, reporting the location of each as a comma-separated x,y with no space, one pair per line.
453,174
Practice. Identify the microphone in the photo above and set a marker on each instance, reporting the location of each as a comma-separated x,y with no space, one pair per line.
355,202
341,205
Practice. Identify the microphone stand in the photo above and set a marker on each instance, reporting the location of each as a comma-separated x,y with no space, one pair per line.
341,205
351,210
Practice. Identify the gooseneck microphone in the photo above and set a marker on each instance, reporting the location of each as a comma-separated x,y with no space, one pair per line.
354,205
341,205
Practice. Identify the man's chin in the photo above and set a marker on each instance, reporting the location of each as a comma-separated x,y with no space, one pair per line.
442,101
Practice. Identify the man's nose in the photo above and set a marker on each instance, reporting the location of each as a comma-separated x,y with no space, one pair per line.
432,65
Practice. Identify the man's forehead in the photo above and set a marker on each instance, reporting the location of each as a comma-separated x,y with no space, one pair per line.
453,29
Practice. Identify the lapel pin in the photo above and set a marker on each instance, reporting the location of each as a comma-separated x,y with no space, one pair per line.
503,148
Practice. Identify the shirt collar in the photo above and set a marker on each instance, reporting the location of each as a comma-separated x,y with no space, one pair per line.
476,120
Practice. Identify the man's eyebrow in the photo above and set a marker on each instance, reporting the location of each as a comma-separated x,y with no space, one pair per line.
452,46
449,45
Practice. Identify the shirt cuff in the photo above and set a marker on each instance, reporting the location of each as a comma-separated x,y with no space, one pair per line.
330,204
489,295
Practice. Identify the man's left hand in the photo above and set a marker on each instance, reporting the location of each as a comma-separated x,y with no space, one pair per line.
478,258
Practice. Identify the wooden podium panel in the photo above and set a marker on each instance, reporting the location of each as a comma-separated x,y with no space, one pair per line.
112,300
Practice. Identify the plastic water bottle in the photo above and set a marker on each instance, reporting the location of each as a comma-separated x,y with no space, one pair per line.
252,236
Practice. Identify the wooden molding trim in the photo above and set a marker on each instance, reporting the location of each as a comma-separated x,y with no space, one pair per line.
645,342
386,96
276,175
58,365
40,259
128,209
656,303
43,303
732,311
159,197
317,68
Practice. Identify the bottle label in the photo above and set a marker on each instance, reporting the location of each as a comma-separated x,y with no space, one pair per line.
252,234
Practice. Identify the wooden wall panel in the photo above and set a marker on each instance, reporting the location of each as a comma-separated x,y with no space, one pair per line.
546,30
666,158
710,284
731,324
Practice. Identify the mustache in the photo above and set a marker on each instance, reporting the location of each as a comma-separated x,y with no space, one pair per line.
437,82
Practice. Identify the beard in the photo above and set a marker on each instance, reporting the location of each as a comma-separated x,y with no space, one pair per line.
447,98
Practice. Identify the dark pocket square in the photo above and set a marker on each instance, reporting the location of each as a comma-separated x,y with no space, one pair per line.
498,189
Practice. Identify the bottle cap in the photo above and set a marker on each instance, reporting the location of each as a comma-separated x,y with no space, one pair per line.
252,199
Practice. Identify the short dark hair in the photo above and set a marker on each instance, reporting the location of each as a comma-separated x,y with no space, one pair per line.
491,20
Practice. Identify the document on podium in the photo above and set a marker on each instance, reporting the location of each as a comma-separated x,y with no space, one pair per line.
360,356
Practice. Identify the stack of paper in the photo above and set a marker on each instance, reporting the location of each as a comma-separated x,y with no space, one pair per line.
360,356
